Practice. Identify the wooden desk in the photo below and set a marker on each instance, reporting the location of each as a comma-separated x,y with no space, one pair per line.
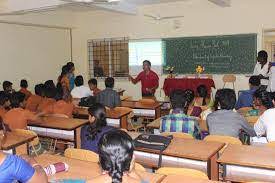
115,117
181,178
13,140
144,110
248,163
67,129
84,170
195,154
155,125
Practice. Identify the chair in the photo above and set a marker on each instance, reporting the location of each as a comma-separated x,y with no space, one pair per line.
244,110
86,155
224,139
81,154
182,171
229,78
271,144
178,135
33,143
139,167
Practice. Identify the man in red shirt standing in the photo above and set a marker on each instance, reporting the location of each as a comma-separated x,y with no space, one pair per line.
149,80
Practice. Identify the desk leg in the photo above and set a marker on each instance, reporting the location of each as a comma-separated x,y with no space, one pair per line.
213,168
14,151
77,133
124,122
28,148
157,113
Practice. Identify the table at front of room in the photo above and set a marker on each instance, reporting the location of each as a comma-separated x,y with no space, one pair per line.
248,163
84,170
171,84
13,141
115,117
186,153
67,129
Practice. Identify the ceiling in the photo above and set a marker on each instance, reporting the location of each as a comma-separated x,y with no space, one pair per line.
18,7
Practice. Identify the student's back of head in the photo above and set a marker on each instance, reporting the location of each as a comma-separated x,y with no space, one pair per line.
109,82
39,90
254,81
264,98
50,92
115,154
17,99
7,85
225,99
189,95
178,99
79,81
70,66
49,84
92,81
4,100
203,93
97,113
23,83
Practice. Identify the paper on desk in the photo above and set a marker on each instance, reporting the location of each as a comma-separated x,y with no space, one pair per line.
258,141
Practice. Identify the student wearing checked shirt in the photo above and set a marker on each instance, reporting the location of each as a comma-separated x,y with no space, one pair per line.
178,120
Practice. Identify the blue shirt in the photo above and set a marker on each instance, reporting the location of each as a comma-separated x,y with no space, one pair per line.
15,168
71,81
90,144
245,99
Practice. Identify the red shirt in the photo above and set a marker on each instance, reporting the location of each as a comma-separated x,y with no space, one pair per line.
149,80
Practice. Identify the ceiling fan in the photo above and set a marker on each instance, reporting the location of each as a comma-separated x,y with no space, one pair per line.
159,18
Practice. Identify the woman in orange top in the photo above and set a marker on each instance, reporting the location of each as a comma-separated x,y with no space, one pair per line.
17,117
48,100
64,81
34,100
24,86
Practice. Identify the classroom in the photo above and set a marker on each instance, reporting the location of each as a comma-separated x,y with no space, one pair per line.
137,91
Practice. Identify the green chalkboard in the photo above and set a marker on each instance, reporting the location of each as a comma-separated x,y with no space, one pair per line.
234,54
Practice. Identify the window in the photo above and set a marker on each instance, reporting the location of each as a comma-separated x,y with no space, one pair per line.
145,50
108,57
117,57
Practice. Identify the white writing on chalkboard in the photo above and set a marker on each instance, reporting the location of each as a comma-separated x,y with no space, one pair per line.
209,44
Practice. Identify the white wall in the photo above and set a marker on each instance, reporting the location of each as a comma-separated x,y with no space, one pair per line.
34,53
201,18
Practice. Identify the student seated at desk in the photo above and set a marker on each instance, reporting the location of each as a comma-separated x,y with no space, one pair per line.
265,124
109,97
7,87
202,99
80,91
49,99
17,117
225,121
63,106
262,100
246,97
91,133
93,87
23,169
178,121
4,104
34,100
192,110
116,158
24,86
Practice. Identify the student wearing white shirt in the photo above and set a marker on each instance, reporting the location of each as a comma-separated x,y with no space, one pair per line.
261,68
80,90
265,124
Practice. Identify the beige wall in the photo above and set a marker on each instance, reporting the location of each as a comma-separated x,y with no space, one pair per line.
34,53
201,18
